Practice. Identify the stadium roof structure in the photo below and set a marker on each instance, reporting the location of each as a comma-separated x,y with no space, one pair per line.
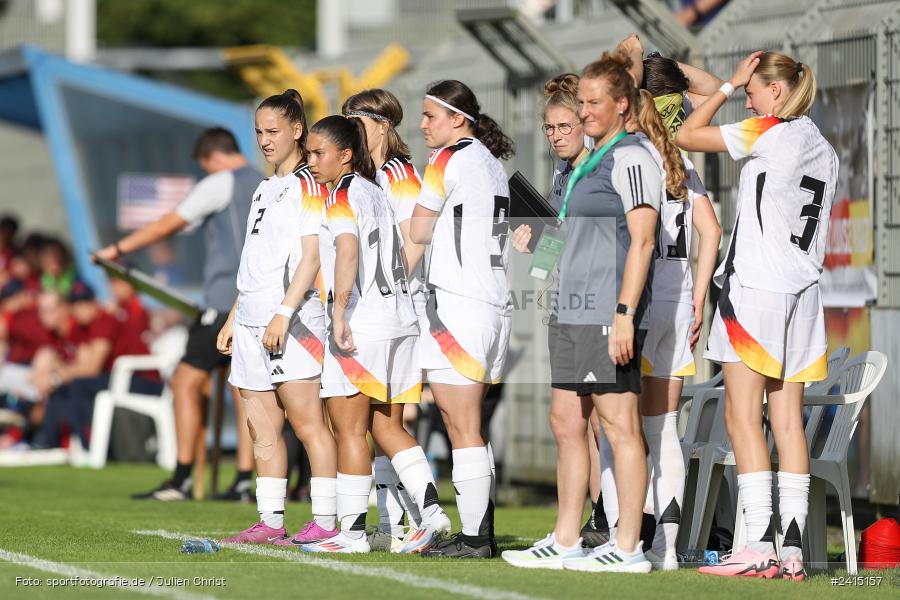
101,123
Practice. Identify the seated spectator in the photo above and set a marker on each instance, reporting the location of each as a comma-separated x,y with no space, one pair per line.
26,266
100,338
57,271
9,227
26,328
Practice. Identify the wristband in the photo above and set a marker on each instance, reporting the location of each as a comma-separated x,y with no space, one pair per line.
727,89
285,311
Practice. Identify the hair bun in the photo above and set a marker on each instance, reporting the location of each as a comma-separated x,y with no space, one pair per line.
567,82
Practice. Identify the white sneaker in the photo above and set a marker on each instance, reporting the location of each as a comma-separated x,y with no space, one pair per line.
609,559
381,541
429,532
340,543
544,554
668,561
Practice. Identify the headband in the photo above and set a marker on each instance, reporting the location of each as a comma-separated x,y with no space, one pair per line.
450,106
364,113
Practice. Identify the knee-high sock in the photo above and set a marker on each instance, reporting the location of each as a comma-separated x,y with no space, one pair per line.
472,481
493,504
793,506
668,478
608,485
270,495
392,515
323,498
756,496
417,481
353,503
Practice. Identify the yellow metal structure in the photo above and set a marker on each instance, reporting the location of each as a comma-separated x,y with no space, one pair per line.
268,70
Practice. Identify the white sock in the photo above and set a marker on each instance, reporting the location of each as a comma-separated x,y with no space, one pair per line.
415,474
608,485
413,516
756,496
793,506
353,503
668,478
322,496
493,505
270,495
490,451
391,514
472,481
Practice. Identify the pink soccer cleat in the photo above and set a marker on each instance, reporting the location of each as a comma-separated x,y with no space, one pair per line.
746,563
792,569
260,533
311,532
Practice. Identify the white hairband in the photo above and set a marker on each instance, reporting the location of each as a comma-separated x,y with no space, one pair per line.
450,106
364,113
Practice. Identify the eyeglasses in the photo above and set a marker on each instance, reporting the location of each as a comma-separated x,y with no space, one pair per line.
564,128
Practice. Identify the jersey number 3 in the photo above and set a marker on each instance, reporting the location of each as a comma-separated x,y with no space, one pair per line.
810,213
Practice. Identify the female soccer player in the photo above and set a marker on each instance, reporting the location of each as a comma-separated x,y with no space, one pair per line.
381,113
569,413
372,342
275,330
769,330
463,212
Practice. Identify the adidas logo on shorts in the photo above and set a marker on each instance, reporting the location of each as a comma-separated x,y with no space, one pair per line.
590,377
277,370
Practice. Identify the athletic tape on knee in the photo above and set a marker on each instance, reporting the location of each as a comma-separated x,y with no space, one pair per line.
262,431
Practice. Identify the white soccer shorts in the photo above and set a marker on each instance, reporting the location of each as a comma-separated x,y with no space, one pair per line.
667,347
254,368
466,340
781,336
383,370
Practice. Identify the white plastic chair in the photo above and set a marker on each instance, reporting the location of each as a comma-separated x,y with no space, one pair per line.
166,351
861,375
716,459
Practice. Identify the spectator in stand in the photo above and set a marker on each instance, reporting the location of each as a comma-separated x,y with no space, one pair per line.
9,227
100,338
696,13
56,268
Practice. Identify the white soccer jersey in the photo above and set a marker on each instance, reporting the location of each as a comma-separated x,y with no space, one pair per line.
467,185
402,184
784,203
379,307
283,210
672,280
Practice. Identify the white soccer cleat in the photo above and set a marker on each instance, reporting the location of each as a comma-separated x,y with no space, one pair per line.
544,554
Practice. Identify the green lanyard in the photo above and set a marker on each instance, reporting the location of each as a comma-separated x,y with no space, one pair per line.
581,170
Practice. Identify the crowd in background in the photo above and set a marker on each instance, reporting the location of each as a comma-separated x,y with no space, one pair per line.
58,342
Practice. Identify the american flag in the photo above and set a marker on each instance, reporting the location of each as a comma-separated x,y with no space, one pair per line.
145,198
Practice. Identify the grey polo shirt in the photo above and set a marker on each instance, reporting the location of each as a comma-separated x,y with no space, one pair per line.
597,238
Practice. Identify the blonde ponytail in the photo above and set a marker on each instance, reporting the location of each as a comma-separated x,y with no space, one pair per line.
800,80
651,123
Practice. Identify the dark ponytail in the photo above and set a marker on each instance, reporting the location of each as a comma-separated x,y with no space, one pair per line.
290,104
349,134
457,94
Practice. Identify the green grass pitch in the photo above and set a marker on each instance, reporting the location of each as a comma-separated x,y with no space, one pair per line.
82,523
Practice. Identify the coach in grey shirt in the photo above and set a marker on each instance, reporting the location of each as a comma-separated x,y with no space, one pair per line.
219,204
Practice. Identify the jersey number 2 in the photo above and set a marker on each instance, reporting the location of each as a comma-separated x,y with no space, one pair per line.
259,216
810,213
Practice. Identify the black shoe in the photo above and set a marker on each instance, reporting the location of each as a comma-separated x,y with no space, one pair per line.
167,492
464,546
592,536
238,492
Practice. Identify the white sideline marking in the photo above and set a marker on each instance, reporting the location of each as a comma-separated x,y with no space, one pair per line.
70,571
419,581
